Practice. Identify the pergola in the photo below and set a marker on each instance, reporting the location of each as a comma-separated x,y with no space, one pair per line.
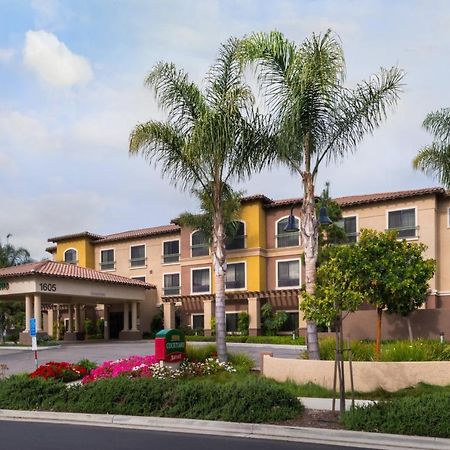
50,284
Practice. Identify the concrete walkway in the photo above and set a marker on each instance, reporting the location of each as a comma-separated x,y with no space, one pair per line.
326,404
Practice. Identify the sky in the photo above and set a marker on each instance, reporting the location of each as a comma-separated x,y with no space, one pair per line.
71,90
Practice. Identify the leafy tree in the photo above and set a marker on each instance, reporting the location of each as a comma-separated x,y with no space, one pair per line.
272,322
434,159
316,118
210,139
243,323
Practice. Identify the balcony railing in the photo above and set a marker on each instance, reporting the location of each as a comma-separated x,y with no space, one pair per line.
199,250
288,282
173,290
170,258
288,239
406,232
107,265
138,262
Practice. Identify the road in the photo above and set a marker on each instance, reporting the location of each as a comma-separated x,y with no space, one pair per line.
44,436
19,360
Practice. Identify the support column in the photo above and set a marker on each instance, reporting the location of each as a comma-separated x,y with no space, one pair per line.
28,312
37,312
134,316
77,319
70,309
169,315
106,318
50,321
208,314
126,316
254,311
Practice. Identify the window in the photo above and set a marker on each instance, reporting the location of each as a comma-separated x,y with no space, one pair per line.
350,229
172,284
404,221
235,276
140,278
288,273
137,255
231,322
107,260
291,323
287,239
70,256
201,280
198,322
199,244
171,251
238,240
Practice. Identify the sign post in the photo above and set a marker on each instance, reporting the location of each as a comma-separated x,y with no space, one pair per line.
34,341
170,346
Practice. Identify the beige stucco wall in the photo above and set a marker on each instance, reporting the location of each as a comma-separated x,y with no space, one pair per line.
367,376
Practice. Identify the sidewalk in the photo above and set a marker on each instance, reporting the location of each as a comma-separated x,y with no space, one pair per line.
326,404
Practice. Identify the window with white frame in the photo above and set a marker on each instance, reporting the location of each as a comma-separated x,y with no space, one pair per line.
201,280
199,244
171,251
198,322
287,239
350,229
70,256
107,259
288,273
171,284
238,239
137,255
404,221
235,278
140,278
231,322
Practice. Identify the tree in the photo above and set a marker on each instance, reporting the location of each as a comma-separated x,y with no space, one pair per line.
316,118
434,159
209,140
13,256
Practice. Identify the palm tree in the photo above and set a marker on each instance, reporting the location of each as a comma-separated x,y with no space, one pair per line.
435,158
13,256
208,141
316,118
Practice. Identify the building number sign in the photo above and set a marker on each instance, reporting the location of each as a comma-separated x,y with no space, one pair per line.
48,287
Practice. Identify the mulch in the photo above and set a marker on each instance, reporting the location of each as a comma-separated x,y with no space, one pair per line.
315,419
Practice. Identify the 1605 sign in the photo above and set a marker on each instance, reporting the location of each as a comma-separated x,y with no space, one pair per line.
48,287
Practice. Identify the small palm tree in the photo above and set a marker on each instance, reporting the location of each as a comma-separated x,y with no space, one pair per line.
316,118
13,256
209,140
434,159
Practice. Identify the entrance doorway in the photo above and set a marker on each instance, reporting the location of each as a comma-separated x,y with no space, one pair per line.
115,324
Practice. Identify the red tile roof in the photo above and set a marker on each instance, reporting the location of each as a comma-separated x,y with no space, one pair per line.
354,200
74,236
71,271
141,233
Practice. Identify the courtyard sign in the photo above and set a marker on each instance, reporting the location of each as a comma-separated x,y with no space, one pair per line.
170,346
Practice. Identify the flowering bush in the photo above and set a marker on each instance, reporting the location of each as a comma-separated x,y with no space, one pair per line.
189,369
63,371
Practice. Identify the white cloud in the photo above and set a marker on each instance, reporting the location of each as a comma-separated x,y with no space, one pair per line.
53,62
6,54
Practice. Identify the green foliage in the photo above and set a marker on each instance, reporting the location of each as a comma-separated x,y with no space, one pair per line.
281,340
427,415
12,317
157,323
272,322
248,399
90,327
243,323
200,353
100,327
87,364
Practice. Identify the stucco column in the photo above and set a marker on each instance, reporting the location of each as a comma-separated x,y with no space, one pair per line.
126,316
106,318
134,306
50,320
208,314
77,318
254,311
70,308
28,312
169,315
37,311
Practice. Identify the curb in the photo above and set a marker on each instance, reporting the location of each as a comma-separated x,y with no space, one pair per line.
29,348
254,431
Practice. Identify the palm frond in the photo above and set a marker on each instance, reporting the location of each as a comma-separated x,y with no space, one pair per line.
435,160
438,124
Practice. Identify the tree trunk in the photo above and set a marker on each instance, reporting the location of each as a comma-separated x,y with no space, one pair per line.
378,344
220,268
410,333
309,230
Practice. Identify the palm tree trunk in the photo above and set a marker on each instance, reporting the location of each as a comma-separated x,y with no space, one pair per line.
220,268
309,229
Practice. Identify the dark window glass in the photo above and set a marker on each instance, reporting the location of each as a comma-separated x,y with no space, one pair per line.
137,256
238,241
404,221
139,278
235,276
171,251
107,260
292,322
172,284
231,322
200,246
287,239
200,280
70,256
198,322
350,229
288,273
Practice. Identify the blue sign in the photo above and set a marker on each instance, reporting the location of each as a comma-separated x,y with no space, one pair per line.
33,327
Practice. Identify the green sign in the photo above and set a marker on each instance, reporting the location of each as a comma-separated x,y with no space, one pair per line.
4,285
170,345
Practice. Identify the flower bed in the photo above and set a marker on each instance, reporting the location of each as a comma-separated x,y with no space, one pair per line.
62,371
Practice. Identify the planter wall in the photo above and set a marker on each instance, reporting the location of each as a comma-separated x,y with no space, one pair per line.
367,376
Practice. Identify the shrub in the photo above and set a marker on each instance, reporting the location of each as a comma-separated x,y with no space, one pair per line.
200,353
157,323
62,371
427,415
100,327
90,327
272,322
243,323
87,364
282,340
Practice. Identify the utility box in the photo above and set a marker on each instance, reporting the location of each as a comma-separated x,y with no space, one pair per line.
170,346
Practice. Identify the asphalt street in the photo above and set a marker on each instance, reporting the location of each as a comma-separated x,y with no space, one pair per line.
20,360
45,436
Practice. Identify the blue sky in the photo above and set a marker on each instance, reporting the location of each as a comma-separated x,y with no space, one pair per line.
71,89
